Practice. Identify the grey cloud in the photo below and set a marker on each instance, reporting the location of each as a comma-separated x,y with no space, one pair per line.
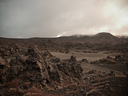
46,18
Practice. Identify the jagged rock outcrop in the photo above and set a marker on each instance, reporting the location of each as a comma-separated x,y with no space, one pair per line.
104,61
29,67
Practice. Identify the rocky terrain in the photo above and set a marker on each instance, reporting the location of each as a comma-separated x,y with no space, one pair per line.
65,66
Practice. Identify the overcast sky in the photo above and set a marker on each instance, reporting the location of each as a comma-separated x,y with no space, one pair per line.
54,18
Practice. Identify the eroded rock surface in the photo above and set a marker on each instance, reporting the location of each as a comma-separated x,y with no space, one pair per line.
22,68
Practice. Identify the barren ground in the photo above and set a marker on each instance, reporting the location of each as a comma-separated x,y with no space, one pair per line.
93,56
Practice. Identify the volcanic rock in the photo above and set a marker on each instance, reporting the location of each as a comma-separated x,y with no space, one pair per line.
33,66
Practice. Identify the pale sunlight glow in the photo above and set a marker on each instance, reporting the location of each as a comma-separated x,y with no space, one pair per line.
59,35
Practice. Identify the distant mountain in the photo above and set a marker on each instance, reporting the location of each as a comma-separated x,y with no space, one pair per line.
106,38
102,38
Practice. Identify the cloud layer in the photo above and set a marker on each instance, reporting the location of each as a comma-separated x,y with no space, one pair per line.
50,18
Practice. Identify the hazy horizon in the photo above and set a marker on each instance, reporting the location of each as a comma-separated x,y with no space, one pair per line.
63,36
55,18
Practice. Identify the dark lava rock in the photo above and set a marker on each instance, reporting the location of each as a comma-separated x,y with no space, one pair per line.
22,68
104,61
118,58
72,58
84,60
